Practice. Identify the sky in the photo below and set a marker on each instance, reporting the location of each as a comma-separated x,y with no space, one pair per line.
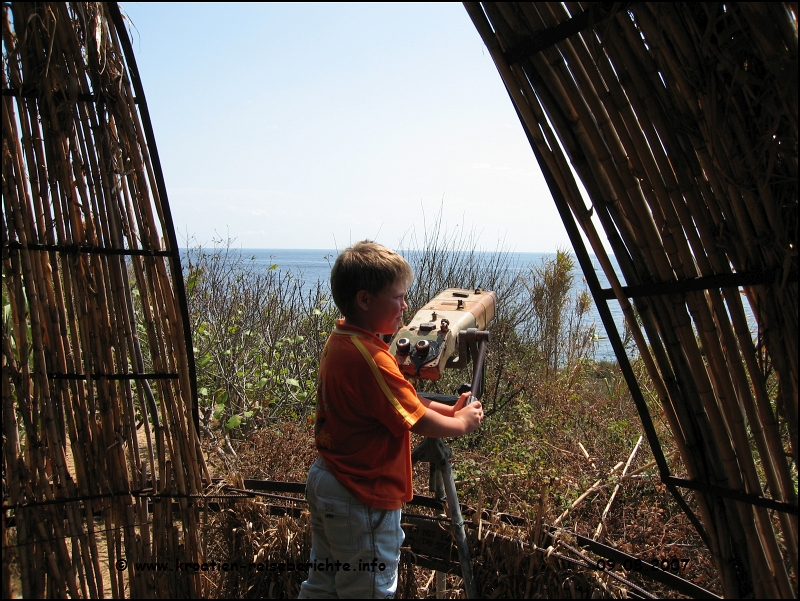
318,125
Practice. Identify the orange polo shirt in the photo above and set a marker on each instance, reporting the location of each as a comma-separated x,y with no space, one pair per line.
365,411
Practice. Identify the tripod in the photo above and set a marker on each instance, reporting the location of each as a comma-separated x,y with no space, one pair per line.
438,454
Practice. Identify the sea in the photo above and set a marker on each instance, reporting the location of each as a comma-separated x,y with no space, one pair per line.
312,265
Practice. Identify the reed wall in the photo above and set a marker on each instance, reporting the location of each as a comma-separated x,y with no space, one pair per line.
680,121
101,459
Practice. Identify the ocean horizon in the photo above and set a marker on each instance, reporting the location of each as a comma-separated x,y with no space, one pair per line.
313,265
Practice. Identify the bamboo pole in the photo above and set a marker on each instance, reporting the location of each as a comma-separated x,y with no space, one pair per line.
588,228
79,173
675,184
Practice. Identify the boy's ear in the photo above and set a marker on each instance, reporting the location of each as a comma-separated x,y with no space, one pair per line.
363,299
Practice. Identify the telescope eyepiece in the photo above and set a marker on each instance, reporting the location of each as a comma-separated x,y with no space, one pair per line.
403,346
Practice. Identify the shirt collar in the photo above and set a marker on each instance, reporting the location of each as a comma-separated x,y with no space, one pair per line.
348,330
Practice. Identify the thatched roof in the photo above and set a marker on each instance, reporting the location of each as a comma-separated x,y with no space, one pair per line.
680,121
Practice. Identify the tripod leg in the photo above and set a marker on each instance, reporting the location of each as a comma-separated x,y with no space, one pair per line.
436,486
443,465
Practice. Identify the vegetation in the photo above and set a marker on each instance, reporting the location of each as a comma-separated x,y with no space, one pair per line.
258,336
556,418
258,333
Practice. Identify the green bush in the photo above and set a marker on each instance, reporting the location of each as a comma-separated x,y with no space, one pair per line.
257,334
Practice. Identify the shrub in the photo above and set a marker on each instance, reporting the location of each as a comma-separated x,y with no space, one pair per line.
258,335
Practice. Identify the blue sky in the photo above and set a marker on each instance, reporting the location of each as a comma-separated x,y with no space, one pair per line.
314,125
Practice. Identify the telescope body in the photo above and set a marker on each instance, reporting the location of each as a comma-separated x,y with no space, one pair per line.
429,343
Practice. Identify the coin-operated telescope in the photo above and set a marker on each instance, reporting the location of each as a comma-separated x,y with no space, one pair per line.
447,332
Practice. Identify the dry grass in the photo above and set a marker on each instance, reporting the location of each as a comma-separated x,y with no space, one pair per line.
644,522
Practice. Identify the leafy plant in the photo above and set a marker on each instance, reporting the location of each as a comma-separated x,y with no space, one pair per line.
258,335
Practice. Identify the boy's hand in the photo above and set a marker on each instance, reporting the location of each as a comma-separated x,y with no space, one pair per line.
462,400
439,425
471,415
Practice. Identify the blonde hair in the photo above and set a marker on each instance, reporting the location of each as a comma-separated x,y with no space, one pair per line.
365,266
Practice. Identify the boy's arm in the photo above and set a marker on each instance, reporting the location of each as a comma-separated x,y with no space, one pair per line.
463,421
441,408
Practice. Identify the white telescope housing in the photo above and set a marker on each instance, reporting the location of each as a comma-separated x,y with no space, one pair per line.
429,343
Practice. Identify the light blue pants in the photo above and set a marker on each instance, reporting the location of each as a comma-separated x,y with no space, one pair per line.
355,549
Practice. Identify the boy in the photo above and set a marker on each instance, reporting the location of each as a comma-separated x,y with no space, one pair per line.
365,411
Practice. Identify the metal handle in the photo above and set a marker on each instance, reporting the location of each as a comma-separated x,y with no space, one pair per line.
477,373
